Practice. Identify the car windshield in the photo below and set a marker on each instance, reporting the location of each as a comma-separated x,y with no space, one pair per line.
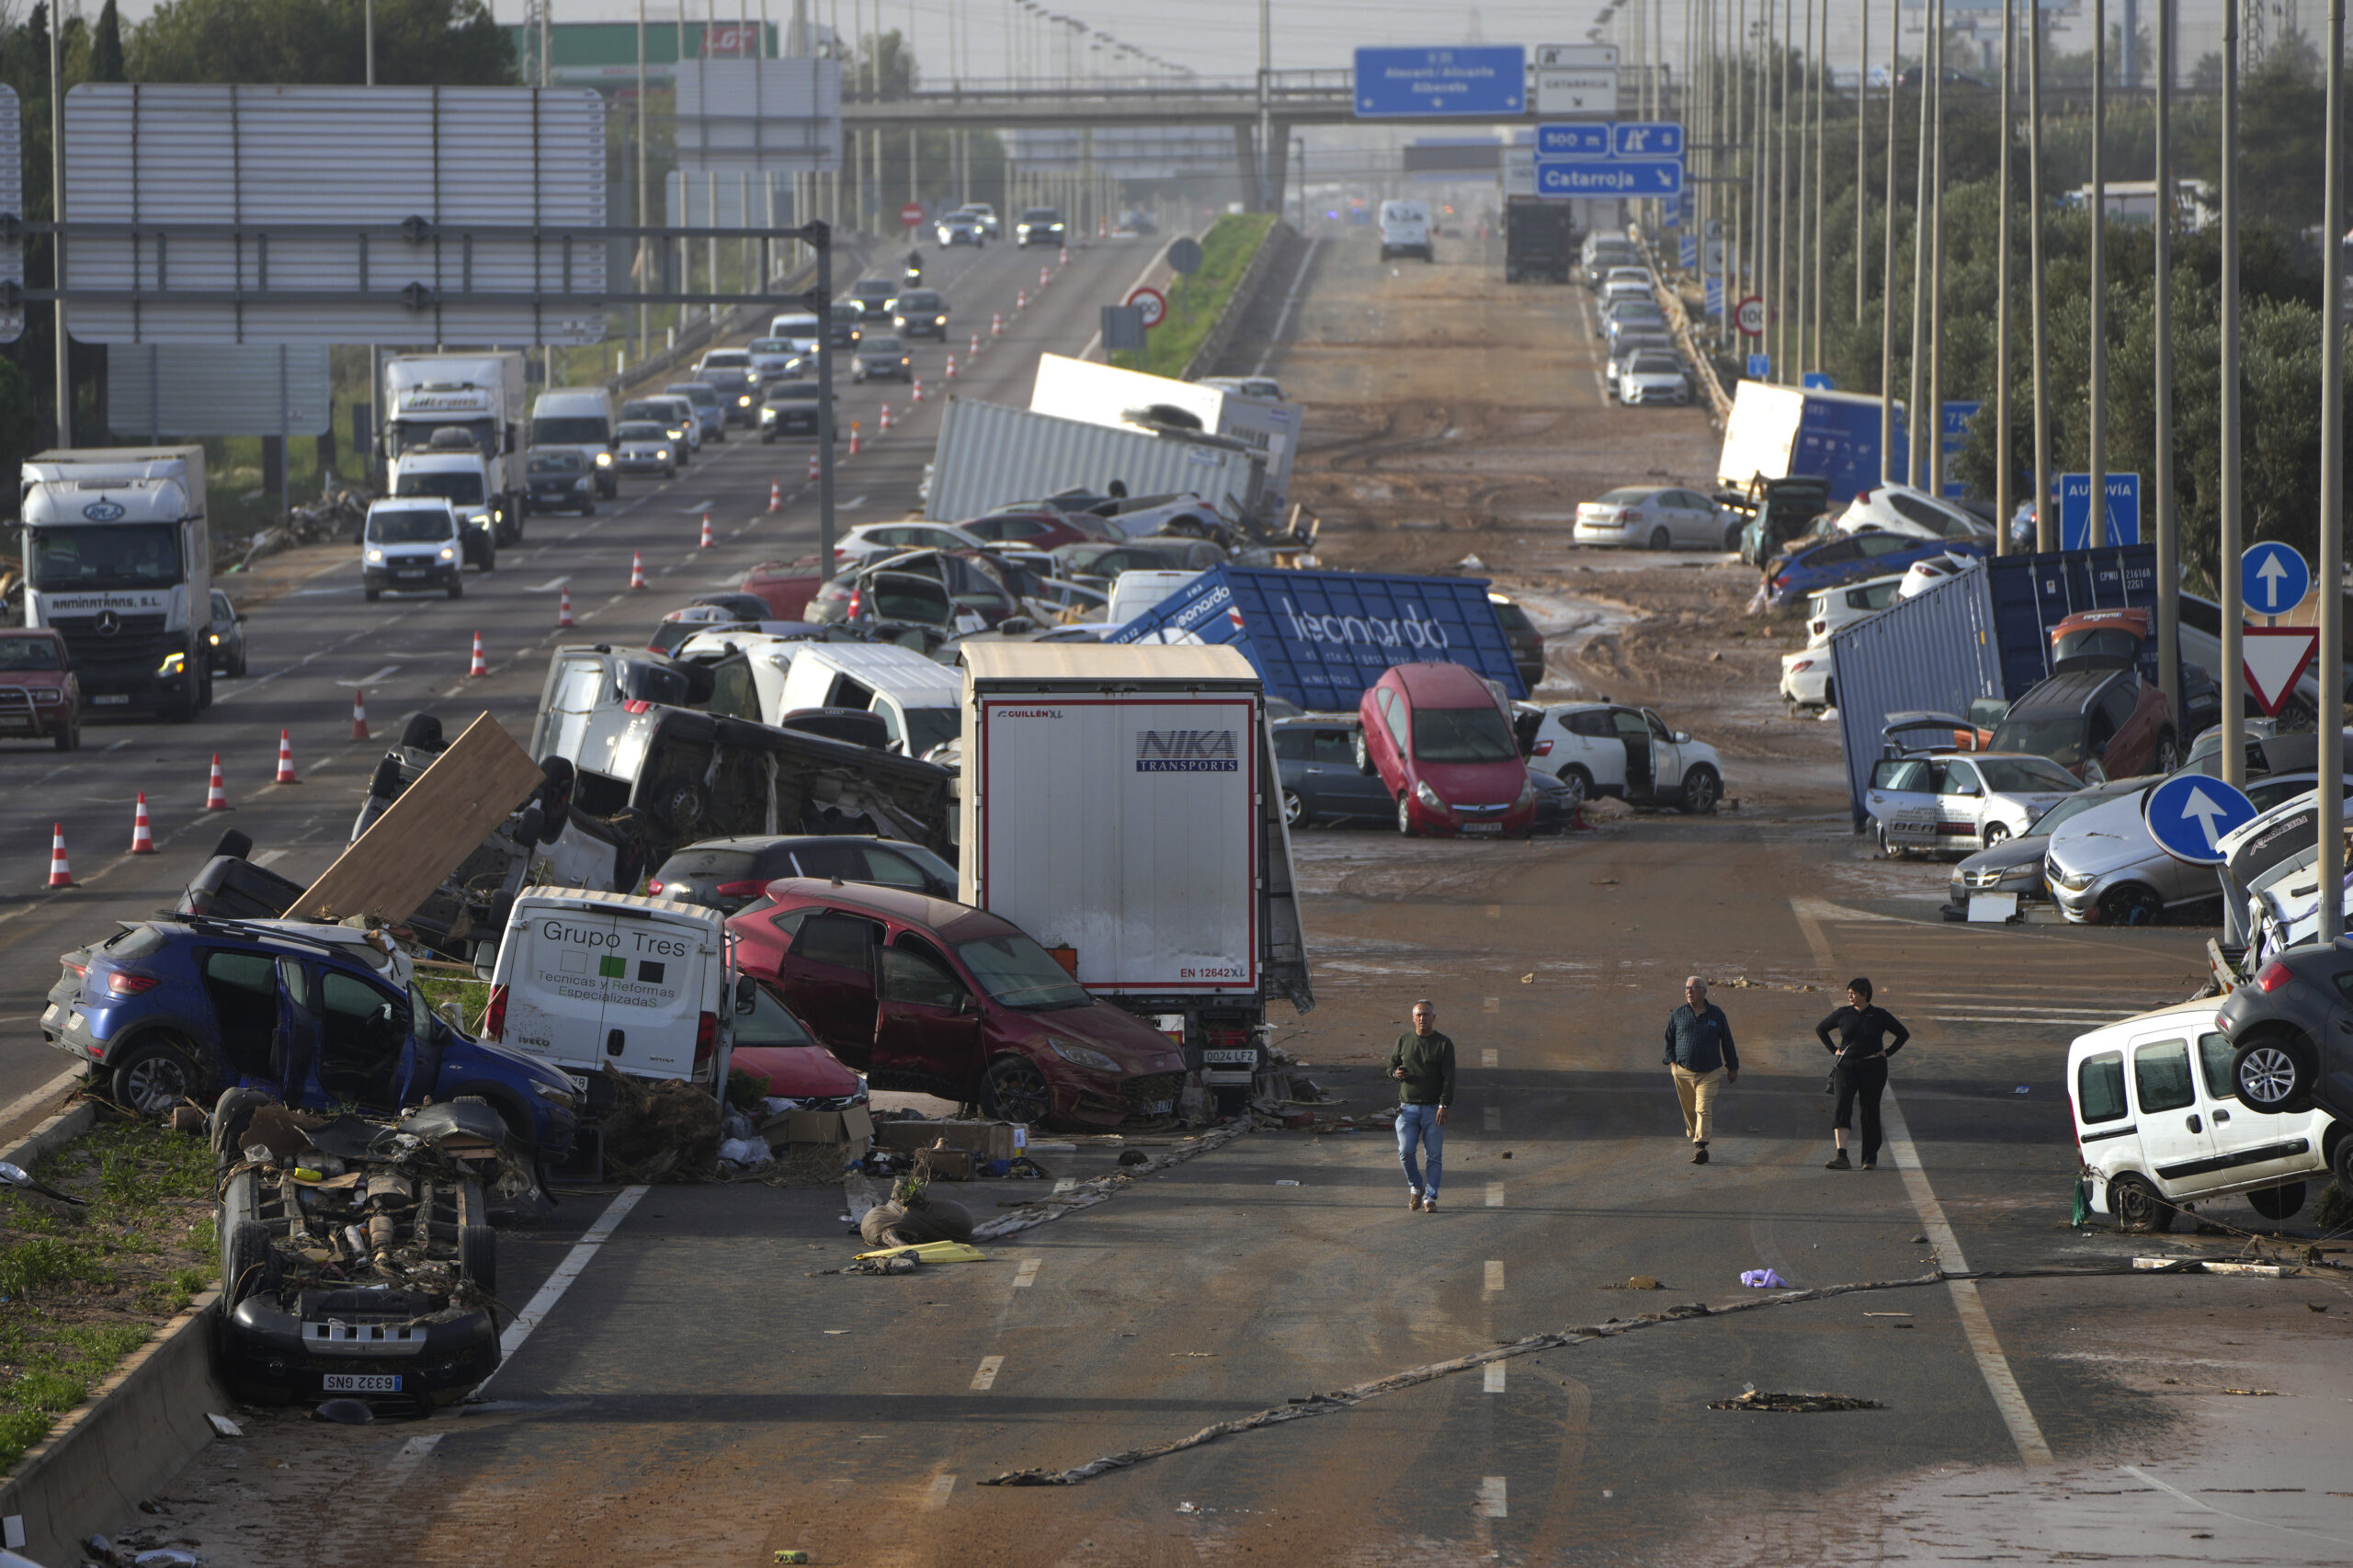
726,359
641,430
772,346
1630,497
2020,776
2049,822
1019,973
725,864
791,391
919,300
27,654
450,485
766,1021
928,727
874,288
882,346
696,392
552,431
2061,740
804,326
106,555
1463,734
900,596
408,524
558,462
1658,363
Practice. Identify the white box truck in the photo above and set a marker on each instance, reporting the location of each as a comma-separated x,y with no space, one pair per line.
1122,804
118,559
453,428
1107,395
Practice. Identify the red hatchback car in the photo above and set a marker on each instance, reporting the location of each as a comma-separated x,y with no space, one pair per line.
923,994
38,695
1437,737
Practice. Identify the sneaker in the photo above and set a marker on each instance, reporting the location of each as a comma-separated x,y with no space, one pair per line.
1699,1156
1838,1162
1429,1204
1414,1204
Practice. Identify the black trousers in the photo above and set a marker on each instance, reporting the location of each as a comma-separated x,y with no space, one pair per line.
1861,1084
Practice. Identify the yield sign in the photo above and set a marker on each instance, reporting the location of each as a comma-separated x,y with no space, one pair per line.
2275,659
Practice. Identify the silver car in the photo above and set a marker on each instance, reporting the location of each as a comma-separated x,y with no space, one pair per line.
1653,376
1656,516
1960,802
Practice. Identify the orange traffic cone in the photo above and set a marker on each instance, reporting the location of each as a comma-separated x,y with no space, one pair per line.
216,793
1020,300
914,389
285,761
61,875
1062,258
706,540
359,714
996,323
481,667
142,832
776,490
950,371
853,437
882,425
1046,276
975,352
813,467
637,569
562,608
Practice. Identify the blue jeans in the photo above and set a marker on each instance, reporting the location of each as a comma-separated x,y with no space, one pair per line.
1417,1129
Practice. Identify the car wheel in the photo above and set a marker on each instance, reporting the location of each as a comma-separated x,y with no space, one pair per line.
1701,791
373,594
2131,904
1364,758
1579,784
2138,1206
1732,538
679,803
1660,540
1994,833
1887,851
1405,815
155,1076
237,665
1013,1090
2276,1203
1294,808
68,736
2168,756
456,589
2272,1074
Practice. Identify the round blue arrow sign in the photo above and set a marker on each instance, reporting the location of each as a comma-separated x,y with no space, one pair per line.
2190,813
2273,579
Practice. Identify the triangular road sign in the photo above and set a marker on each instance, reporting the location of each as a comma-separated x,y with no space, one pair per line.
2275,659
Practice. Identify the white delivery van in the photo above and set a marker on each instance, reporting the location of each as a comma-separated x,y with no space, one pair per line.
2160,1128
587,980
798,327
921,701
1406,230
1137,590
583,419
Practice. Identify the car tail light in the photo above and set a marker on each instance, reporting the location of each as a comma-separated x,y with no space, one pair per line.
706,1039
1802,665
2272,976
494,1018
78,971
123,984
2223,1024
635,705
751,889
652,886
1543,749
857,597
1226,1037
1782,581
1630,516
1861,496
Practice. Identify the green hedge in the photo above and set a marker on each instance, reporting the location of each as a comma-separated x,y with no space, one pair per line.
1195,302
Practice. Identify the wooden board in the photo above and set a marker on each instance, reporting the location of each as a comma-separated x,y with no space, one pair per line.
437,822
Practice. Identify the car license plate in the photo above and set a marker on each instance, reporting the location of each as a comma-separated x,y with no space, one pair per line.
1482,827
414,574
579,1082
1159,1108
49,1012
361,1382
1244,1058
106,699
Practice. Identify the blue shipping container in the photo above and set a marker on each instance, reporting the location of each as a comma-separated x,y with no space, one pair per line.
1318,639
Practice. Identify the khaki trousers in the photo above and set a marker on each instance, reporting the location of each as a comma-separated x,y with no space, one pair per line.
1696,1092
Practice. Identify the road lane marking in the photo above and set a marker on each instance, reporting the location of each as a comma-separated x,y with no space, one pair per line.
1494,1195
691,508
937,1495
1494,1273
269,856
1494,1115
987,1376
1491,1498
1026,1274
550,585
40,1099
376,677
1494,1377
574,1261
1488,1058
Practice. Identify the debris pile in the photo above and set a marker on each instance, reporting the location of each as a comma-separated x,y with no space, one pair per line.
1794,1403
659,1132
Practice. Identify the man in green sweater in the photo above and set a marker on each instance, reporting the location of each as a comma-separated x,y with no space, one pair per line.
1423,1065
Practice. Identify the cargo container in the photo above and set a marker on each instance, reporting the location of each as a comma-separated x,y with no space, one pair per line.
990,455
1132,401
1318,639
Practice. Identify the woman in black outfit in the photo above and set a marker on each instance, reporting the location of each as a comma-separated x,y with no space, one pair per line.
1866,1038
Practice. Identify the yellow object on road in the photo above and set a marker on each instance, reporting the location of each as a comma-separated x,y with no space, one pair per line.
933,1252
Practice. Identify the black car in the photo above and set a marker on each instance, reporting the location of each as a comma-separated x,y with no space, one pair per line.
1040,226
727,874
873,297
921,313
846,324
559,481
790,408
225,649
1317,759
2291,1047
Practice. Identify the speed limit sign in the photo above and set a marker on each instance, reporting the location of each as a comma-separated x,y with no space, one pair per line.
1750,317
1152,303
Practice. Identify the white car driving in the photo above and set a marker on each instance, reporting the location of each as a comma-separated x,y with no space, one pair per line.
1960,802
1656,516
1606,748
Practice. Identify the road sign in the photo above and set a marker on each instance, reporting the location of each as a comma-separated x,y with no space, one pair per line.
1686,250
1572,141
1760,367
2273,578
1153,305
2190,813
2274,659
1519,171
1123,328
1185,255
1608,176
1815,380
1715,294
1574,56
911,214
1577,92
2075,511
1750,318
1483,80
1646,138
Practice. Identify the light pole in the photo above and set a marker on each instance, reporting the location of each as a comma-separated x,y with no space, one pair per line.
2096,389
1265,106
1862,144
1887,258
2002,486
1797,361
1915,466
1934,84
2161,486
2046,522
2226,564
2331,493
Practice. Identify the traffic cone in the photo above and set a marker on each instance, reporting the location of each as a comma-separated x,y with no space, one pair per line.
996,323
882,425
286,761
359,714
950,371
813,469
915,391
976,346
562,608
1062,258
775,489
1046,276
481,667
636,569
853,437
216,793
61,875
1020,300
706,540
142,832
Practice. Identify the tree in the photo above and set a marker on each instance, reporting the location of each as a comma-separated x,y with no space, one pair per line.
105,46
418,43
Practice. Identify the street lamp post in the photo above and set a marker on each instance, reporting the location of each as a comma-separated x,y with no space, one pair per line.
2161,300
2331,658
2002,465
2226,574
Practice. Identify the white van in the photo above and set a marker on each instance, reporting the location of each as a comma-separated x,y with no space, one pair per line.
797,327
2159,1127
1406,230
585,979
921,702
1138,589
581,419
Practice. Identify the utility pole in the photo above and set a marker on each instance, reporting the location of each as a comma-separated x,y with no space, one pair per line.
1916,463
1265,106
2095,390
644,285
2226,564
57,208
2003,456
1862,144
1821,173
2161,486
2332,494
1781,201
1887,258
2046,520
369,22
1798,360
1935,84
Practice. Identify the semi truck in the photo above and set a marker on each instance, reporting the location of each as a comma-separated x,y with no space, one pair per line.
1121,805
1540,240
453,429
118,560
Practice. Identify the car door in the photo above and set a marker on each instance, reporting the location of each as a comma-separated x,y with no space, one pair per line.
364,1043
1596,748
2250,1145
1667,756
1634,734
1902,797
827,977
295,1049
2136,724
1695,521
1961,806
927,1022
2175,1136
1334,788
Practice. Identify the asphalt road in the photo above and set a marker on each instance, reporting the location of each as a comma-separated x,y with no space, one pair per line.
314,646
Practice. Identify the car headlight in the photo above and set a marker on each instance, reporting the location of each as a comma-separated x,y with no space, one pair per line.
664,454
498,515
2074,882
173,664
1071,1051
376,555
604,460
1527,793
744,402
1427,796
214,638
554,1095
447,554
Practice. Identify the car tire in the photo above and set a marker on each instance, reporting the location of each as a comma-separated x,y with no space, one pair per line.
588,507
2277,1203
2134,903
2167,755
1702,789
1732,538
456,589
1662,539
2272,1072
237,665
1013,1089
1994,833
1578,782
678,801
1404,816
156,1075
2137,1207
1886,851
1294,810
1364,758
68,736
231,1115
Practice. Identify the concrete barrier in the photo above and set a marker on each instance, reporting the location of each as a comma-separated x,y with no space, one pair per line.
1238,303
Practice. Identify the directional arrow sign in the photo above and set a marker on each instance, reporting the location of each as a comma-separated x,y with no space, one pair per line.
2273,578
1647,139
2190,813
2275,659
1615,177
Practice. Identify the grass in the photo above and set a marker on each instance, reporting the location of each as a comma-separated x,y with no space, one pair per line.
1195,303
460,1000
77,1295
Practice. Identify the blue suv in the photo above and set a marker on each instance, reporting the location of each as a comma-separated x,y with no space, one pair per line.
1814,567
176,1010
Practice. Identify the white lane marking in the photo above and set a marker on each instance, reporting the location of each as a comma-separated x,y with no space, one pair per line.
1027,1273
1494,1195
1492,1505
374,678
942,1488
122,742
40,1099
1494,1115
550,585
851,504
2139,1474
574,1261
1494,1273
987,1376
1489,1058
413,1453
1494,1377
269,856
691,508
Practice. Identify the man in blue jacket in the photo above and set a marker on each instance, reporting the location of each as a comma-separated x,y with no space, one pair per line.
1700,1057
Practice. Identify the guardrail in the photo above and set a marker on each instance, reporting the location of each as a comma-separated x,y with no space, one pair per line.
1703,366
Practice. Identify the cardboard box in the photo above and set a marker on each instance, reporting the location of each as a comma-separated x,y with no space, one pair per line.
947,1164
851,1126
984,1140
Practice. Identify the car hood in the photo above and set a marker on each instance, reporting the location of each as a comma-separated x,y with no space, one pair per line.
796,1072
2010,852
2105,839
1121,1035
1474,783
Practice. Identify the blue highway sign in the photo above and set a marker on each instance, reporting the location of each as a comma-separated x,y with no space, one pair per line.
1572,141
2273,579
2190,813
1647,139
1397,83
1608,176
1760,367
2075,511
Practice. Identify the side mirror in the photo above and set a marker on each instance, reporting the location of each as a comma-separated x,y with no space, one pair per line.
963,1001
747,992
1683,737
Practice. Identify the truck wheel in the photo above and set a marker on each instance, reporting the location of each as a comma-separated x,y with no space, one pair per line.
2271,1073
2276,1203
2139,1207
1013,1090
